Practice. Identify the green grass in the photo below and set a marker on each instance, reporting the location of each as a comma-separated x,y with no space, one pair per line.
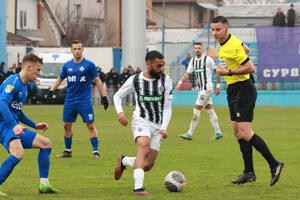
207,166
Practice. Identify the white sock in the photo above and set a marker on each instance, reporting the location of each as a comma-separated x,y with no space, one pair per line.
44,181
214,120
194,122
128,161
138,175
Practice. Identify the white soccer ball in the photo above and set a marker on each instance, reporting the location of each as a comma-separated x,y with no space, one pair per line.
175,181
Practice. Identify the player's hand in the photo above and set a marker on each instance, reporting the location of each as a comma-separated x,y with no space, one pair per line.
41,126
217,91
104,102
164,134
18,129
221,71
122,119
177,88
49,96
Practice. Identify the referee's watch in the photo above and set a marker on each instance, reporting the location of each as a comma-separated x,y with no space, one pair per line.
230,73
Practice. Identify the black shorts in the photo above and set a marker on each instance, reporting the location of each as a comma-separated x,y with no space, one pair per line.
241,97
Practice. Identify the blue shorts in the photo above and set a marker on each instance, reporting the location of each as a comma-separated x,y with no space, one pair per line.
7,134
85,110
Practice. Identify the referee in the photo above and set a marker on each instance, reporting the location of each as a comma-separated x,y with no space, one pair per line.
236,68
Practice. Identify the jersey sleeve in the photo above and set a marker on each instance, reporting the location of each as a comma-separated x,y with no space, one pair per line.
126,89
190,68
6,98
93,70
239,54
210,63
167,104
63,73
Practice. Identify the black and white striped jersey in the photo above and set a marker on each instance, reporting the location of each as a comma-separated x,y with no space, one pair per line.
150,94
202,67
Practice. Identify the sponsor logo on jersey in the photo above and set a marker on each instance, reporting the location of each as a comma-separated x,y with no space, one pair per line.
149,98
70,69
20,94
9,88
17,105
199,70
81,68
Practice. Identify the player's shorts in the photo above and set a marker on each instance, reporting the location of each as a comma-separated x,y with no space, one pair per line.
85,110
7,134
241,97
204,98
142,127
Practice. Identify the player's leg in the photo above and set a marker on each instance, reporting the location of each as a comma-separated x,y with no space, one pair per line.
143,148
154,149
87,114
69,116
44,144
246,150
214,121
93,138
14,146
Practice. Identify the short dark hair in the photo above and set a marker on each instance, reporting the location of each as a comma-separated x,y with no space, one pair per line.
292,5
219,19
151,55
198,43
76,42
31,57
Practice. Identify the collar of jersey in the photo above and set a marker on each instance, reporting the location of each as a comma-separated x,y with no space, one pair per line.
226,40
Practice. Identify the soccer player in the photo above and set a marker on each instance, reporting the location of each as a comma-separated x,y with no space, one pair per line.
153,93
14,136
241,95
202,66
79,73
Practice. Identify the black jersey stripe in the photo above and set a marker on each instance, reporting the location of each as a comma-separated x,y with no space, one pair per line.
163,79
148,104
204,73
138,92
155,104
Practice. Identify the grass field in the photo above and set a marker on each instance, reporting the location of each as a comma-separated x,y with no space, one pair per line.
207,166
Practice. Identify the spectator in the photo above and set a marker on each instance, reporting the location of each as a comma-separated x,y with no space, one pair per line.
279,18
2,67
130,70
291,16
186,61
127,100
102,75
18,69
112,83
138,70
9,72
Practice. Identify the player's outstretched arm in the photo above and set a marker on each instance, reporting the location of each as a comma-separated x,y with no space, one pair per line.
122,119
56,84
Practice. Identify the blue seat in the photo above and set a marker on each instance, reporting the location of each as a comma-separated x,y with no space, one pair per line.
252,45
255,61
253,52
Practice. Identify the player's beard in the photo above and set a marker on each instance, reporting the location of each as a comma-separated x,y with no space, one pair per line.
154,74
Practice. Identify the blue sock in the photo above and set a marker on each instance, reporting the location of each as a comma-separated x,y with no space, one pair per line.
44,162
94,142
7,167
68,142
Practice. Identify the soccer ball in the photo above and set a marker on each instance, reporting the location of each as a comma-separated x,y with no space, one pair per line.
175,181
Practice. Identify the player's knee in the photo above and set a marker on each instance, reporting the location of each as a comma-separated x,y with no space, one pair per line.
19,154
46,143
67,127
196,115
91,126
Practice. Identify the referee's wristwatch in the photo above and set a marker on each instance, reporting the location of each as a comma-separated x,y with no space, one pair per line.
230,73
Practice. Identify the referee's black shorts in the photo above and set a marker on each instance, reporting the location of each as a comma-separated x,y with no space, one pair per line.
241,97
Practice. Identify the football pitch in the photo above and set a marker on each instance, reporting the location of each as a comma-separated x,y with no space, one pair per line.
208,166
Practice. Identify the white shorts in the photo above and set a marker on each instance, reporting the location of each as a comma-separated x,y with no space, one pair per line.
204,98
142,127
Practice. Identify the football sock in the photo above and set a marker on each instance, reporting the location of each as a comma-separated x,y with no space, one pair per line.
44,181
128,161
214,120
261,146
138,175
44,162
246,150
194,122
7,167
94,142
68,143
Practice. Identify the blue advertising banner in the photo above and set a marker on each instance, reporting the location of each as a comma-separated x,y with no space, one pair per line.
279,53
